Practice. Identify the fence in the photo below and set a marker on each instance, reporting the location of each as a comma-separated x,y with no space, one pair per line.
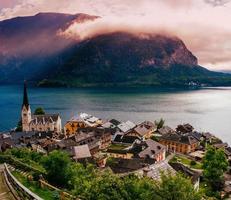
23,192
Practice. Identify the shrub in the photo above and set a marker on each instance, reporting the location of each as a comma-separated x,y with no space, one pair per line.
193,162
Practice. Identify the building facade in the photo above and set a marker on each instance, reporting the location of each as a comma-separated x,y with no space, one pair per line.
179,143
42,123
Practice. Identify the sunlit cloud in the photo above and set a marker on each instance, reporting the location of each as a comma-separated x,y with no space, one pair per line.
202,24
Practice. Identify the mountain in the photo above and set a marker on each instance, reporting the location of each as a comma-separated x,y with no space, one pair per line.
124,59
32,48
29,44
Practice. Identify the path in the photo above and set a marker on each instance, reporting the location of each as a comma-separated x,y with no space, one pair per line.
5,193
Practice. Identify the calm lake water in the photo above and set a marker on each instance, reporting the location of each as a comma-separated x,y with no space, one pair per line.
206,109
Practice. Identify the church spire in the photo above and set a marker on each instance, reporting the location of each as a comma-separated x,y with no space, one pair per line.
25,96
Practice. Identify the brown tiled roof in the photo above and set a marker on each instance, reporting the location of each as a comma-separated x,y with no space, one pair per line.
121,165
142,130
153,148
184,139
81,152
186,171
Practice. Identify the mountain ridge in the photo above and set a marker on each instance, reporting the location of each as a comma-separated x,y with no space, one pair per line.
32,49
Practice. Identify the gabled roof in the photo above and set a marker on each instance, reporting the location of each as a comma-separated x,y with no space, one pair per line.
142,130
165,130
126,139
81,152
66,143
156,170
115,122
152,148
196,135
126,126
186,171
43,119
128,165
184,139
108,125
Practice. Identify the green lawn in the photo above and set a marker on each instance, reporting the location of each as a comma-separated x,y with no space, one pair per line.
186,161
34,187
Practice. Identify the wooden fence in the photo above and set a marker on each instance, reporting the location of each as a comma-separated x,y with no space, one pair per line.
23,192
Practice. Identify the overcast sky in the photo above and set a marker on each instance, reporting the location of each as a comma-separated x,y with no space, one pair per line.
204,25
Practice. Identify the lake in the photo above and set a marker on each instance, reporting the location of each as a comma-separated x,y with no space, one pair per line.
207,109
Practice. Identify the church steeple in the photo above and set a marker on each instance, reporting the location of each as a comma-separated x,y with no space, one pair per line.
25,96
26,112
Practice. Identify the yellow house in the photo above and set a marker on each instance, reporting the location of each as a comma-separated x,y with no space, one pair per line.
82,121
72,126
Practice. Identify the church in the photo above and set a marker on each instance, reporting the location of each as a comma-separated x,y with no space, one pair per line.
42,123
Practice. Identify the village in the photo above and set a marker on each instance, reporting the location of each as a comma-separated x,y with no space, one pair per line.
147,149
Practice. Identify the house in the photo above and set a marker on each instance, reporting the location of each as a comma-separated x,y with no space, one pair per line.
38,123
125,127
109,125
165,130
196,135
184,128
179,143
121,165
6,141
197,155
208,137
119,151
82,121
150,149
125,139
143,130
89,135
72,125
81,152
156,170
193,175
115,122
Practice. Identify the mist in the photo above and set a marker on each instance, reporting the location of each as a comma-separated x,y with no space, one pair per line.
203,25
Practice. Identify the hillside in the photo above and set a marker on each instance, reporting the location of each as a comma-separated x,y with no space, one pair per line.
32,48
30,44
122,59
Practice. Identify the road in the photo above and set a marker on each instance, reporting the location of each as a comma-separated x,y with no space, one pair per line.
5,193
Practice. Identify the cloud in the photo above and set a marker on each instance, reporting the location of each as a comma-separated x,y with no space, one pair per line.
202,24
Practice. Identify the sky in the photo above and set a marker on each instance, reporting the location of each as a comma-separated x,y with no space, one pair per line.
204,25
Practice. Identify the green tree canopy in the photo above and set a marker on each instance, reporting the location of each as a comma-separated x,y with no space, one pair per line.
19,126
214,165
176,188
58,167
159,123
91,185
39,111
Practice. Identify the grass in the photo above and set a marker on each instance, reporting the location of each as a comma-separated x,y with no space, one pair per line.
34,187
186,161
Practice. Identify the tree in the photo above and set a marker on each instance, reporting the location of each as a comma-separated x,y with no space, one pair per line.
214,165
140,188
160,123
19,126
57,165
176,188
107,186
39,111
